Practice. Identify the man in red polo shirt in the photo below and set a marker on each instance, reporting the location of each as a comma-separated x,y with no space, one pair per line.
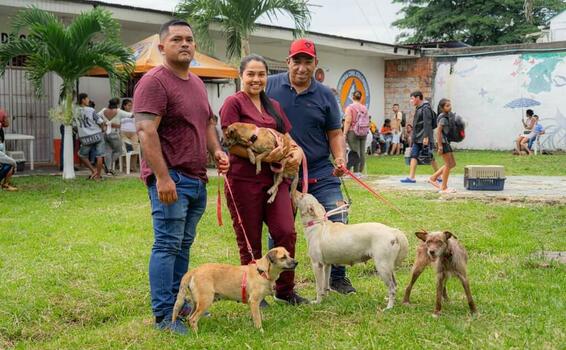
175,127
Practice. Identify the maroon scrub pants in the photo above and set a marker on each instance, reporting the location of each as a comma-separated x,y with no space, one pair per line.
251,199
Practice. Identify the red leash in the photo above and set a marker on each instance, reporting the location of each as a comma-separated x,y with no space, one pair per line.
377,195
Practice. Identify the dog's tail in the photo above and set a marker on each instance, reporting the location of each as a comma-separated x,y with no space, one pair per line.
182,296
403,248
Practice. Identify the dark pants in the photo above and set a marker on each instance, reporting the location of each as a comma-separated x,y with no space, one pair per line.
251,201
328,193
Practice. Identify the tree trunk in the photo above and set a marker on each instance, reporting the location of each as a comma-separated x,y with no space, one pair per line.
68,166
245,46
68,162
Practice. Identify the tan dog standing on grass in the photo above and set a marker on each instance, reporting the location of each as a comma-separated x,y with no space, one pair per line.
211,282
449,258
266,145
339,244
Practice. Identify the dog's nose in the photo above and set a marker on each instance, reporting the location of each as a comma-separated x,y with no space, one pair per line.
432,252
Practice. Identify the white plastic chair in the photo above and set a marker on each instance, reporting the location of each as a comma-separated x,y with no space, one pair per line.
537,146
128,156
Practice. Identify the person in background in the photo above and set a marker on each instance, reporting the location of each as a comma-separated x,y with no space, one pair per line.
91,129
422,134
387,135
7,164
526,141
443,147
128,131
396,130
112,117
528,126
356,142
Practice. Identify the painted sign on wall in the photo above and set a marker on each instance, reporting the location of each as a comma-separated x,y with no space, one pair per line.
353,80
492,93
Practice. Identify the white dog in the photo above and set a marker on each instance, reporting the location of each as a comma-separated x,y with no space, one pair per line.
339,244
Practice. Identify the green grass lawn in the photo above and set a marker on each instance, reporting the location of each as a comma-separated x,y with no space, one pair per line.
73,275
550,165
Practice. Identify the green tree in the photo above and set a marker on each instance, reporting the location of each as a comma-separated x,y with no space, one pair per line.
91,40
238,19
475,22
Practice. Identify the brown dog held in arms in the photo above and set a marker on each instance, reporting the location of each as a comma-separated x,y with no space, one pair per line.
266,145
449,257
211,282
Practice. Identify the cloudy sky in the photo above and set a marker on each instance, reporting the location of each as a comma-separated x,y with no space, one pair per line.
363,19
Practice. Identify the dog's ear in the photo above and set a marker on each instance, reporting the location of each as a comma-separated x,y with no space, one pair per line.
449,235
271,256
421,235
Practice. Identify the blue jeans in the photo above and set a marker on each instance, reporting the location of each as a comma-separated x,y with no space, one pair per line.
174,229
328,193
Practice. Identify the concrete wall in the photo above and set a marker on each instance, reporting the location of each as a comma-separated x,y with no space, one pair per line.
481,87
334,64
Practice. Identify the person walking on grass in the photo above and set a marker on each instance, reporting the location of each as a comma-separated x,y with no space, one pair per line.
355,133
91,128
443,147
175,128
422,135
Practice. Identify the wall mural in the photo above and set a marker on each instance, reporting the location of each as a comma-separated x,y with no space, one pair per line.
492,93
352,80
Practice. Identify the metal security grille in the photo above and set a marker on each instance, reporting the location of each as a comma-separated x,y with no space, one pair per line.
28,112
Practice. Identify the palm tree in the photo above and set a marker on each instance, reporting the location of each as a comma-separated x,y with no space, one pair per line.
91,40
238,19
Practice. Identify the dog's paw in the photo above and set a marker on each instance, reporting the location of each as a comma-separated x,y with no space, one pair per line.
406,302
436,314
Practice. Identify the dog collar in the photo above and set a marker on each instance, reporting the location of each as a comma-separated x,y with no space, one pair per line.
263,274
314,222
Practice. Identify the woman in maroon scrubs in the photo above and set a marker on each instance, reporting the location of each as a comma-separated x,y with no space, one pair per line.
251,105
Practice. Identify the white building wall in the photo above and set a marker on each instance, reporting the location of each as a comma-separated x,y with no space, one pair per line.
558,27
481,87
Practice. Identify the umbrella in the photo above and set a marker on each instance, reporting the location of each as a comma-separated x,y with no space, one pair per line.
522,103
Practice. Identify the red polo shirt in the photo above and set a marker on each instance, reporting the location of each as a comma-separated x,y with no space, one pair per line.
240,108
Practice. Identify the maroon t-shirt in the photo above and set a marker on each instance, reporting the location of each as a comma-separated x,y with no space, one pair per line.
240,108
185,114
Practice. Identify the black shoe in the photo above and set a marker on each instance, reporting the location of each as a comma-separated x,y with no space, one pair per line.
263,304
342,286
292,299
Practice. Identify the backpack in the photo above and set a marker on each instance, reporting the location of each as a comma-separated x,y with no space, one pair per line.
361,126
456,128
403,119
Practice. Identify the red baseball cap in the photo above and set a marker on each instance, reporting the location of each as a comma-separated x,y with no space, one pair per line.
305,46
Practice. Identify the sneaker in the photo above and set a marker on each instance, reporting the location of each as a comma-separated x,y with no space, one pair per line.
342,286
166,324
408,180
293,299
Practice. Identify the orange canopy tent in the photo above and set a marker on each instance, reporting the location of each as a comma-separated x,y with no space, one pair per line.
147,55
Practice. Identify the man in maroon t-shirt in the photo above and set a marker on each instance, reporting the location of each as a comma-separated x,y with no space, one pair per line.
175,127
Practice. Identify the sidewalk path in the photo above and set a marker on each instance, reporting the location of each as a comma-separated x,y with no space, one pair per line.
550,189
